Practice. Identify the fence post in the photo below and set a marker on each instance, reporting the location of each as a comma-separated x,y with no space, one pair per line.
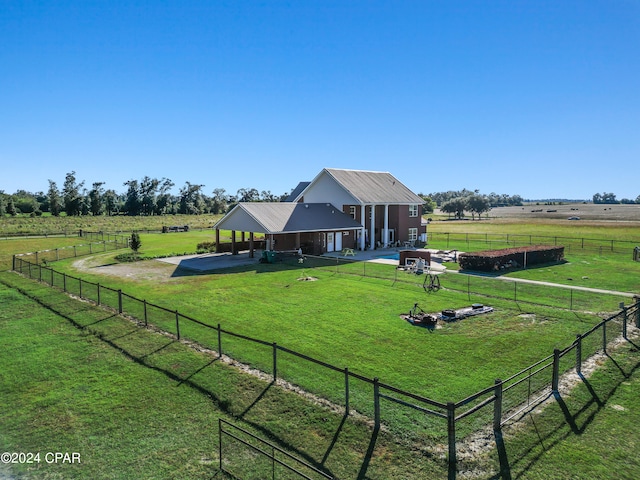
571,299
497,406
556,370
275,362
80,287
64,282
451,433
579,354
13,263
624,322
178,324
346,391
376,402
144,306
120,301
219,342
51,270
57,254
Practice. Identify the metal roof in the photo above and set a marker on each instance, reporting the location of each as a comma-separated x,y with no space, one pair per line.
373,187
286,217
296,191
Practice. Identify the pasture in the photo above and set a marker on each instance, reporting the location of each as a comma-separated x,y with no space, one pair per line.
347,319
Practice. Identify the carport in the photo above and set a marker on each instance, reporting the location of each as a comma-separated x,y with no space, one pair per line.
317,228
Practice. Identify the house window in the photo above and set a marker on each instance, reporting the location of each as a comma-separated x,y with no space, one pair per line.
352,211
413,210
413,234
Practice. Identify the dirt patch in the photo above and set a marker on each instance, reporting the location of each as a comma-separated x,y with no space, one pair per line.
148,270
307,279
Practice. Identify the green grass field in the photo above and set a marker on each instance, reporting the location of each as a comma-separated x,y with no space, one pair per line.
350,320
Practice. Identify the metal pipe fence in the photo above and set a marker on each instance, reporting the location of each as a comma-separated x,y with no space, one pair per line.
497,404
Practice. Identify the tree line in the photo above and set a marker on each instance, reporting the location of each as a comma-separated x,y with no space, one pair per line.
148,196
610,198
457,202
152,196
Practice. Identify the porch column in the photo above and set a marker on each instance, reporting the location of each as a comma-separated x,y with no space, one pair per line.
250,244
385,238
218,249
364,227
373,227
233,243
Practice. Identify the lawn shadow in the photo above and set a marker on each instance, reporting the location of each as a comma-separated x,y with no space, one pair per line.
577,415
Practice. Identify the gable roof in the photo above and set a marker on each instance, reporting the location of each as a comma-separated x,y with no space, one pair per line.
297,191
286,217
370,187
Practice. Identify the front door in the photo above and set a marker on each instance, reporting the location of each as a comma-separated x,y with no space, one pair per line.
338,241
330,244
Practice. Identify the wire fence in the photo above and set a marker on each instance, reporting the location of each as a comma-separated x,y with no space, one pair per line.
440,421
503,240
98,242
478,288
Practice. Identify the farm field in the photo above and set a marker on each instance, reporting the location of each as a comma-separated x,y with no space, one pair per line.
327,317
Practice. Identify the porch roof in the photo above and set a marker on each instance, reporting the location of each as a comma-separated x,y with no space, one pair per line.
286,217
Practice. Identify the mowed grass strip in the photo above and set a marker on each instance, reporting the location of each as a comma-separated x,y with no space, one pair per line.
137,404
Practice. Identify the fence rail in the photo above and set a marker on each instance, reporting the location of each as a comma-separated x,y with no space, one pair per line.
501,240
228,432
510,397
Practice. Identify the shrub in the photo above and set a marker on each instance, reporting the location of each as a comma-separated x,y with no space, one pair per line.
206,247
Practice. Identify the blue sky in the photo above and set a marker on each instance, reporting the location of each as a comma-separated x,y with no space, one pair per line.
536,98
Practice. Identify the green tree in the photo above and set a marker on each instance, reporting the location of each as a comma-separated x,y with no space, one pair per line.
478,204
132,201
11,207
220,201
71,195
191,201
96,204
25,202
429,204
111,202
455,206
164,200
53,196
135,243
